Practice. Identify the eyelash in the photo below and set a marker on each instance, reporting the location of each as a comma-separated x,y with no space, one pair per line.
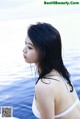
29,47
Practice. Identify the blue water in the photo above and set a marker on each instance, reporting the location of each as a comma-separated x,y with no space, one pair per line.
18,80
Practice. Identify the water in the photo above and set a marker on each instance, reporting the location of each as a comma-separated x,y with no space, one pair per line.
17,90
17,79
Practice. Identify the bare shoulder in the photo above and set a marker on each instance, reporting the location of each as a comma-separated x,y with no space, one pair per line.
45,98
46,87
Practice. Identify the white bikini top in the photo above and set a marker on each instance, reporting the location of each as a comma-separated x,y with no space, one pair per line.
37,113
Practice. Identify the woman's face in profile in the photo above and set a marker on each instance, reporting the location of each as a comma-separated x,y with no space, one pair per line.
30,53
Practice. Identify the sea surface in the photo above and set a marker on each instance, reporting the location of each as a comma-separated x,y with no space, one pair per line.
17,78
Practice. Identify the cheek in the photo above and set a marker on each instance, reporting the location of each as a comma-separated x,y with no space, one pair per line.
32,57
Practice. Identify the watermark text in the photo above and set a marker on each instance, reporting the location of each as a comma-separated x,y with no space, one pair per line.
61,3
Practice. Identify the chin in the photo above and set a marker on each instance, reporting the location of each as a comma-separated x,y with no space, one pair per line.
28,61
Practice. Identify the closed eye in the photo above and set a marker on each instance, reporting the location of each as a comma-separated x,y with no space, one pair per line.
29,47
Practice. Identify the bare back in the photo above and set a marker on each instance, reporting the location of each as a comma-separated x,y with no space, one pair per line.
64,99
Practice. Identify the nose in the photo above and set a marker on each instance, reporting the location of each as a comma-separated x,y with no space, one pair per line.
24,50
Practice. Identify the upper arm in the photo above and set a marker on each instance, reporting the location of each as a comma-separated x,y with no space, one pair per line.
45,99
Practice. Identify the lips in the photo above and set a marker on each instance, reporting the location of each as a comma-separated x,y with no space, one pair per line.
24,56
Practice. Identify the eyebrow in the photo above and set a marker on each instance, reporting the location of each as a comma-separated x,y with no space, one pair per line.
28,43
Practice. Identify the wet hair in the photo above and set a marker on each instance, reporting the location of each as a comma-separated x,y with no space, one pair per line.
47,40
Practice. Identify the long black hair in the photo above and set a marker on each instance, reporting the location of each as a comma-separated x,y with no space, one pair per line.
47,40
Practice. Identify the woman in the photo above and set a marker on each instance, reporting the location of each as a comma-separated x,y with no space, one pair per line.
55,96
